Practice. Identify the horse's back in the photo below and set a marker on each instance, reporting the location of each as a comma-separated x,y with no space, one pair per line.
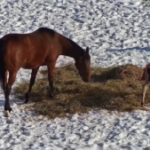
31,50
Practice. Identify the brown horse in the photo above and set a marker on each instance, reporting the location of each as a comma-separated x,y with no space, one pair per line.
30,51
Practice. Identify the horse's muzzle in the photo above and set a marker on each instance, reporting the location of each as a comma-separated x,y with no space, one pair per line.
86,80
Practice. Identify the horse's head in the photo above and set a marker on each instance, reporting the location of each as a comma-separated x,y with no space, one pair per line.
83,66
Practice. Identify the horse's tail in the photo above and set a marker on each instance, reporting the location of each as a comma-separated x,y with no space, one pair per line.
2,64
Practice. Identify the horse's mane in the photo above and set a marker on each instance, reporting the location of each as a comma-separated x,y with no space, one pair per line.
47,30
70,44
66,42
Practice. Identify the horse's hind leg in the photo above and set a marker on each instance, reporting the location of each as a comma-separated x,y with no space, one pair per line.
6,80
11,80
32,81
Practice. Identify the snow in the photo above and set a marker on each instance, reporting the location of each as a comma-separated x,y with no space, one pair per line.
117,33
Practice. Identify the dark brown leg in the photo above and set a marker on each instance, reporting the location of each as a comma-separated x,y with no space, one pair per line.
6,80
7,90
32,81
51,67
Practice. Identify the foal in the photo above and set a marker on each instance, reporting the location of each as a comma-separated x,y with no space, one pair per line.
30,51
146,77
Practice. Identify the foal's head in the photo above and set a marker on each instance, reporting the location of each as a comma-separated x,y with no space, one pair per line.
83,66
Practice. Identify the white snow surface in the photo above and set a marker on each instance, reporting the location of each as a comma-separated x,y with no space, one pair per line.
117,33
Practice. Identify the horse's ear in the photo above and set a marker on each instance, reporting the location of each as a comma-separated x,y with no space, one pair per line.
86,53
87,50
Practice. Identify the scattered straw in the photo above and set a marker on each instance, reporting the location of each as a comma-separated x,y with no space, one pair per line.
116,88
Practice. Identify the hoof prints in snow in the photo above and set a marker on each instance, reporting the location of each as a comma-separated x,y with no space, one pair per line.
116,34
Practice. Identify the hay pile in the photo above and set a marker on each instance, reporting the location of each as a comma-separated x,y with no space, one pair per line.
116,88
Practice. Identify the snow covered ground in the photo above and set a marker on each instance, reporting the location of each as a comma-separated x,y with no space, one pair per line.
117,33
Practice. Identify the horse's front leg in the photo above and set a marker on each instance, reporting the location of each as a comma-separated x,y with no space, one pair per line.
51,67
32,81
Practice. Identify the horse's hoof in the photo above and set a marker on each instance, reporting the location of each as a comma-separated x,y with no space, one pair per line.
52,96
8,114
26,101
56,90
8,109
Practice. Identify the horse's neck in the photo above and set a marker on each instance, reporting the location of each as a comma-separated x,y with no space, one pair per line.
73,52
70,48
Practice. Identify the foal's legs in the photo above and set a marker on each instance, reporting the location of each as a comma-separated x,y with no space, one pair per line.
147,83
7,90
32,81
51,67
